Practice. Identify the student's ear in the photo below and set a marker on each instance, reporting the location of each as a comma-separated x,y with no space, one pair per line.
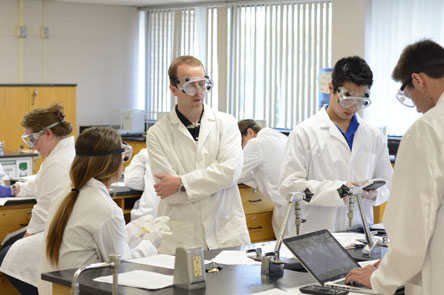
174,90
418,81
250,132
330,87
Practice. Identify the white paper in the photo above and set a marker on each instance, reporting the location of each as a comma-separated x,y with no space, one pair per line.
4,200
368,262
377,226
230,257
140,279
160,260
348,240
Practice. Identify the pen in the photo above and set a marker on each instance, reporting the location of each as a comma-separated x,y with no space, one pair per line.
145,229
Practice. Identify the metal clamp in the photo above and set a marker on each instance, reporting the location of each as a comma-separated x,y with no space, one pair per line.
114,265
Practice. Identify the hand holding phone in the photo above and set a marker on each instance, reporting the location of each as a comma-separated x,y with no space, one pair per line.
374,185
320,290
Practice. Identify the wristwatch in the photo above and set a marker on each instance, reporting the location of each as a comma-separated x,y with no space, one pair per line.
343,191
182,187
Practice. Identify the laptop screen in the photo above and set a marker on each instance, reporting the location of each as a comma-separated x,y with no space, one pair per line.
322,255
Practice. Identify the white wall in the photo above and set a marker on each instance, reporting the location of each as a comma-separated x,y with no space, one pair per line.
348,28
94,46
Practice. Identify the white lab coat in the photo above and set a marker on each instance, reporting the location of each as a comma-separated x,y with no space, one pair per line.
23,257
95,229
263,157
53,177
209,214
318,157
414,217
138,176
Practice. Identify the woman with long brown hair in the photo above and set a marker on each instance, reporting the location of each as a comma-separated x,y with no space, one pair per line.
86,225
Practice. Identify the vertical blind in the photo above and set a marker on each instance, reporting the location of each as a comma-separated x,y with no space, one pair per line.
278,50
264,58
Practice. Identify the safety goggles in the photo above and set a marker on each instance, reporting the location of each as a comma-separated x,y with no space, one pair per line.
404,96
348,99
32,138
192,85
126,150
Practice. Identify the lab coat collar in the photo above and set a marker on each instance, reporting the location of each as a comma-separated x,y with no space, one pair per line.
69,141
97,184
205,123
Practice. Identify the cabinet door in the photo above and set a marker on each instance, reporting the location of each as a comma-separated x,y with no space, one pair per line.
14,104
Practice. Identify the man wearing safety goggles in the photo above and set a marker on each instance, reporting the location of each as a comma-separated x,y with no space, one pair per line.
196,159
335,147
414,218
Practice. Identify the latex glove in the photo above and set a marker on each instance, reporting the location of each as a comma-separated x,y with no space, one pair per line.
370,195
5,191
154,237
148,224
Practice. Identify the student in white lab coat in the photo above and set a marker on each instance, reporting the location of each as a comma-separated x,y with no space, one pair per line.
336,147
414,217
196,159
86,225
263,150
138,176
46,131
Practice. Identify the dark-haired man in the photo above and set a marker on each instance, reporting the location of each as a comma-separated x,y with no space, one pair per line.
414,219
196,157
263,150
336,147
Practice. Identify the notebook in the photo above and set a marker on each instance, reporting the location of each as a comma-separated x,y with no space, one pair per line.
325,259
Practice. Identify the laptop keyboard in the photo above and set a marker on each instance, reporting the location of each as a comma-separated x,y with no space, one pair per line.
351,283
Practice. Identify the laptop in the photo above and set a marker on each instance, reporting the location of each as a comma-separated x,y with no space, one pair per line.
325,259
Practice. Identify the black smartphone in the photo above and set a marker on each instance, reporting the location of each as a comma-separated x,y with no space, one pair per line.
319,290
375,184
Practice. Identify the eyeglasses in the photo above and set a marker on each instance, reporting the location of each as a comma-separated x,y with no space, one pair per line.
348,99
32,138
192,85
403,95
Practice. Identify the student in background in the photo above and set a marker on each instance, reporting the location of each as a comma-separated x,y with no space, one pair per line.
86,225
138,176
46,131
414,217
196,159
336,147
263,151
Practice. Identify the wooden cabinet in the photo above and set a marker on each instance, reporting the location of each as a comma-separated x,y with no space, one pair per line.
18,99
258,212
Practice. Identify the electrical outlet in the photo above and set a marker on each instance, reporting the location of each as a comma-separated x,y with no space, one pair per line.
44,32
21,32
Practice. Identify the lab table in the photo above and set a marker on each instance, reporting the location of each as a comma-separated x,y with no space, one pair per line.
232,279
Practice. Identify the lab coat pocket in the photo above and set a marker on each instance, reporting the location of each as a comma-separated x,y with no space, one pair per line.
231,230
183,233
364,165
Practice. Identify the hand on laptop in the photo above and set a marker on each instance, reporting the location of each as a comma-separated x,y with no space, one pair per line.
361,275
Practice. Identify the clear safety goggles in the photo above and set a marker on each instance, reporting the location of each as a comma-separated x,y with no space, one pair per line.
192,85
32,138
403,95
348,99
126,150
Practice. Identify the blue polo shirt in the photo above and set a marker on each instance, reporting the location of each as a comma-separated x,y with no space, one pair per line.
350,135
